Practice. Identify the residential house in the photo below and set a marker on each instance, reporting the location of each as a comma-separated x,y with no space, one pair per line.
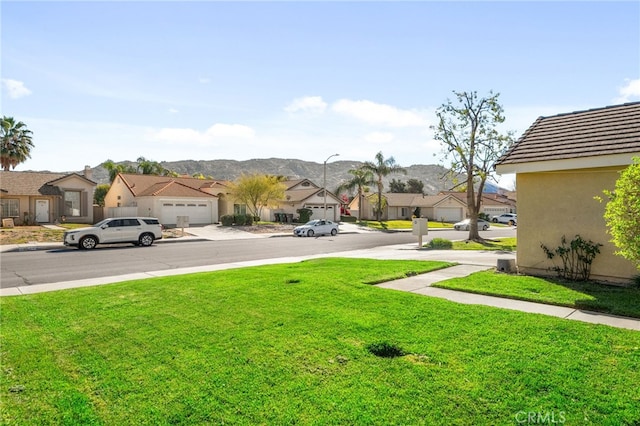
562,163
302,193
43,197
166,198
493,204
204,201
444,207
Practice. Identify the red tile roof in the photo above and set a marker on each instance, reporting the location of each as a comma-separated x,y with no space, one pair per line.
152,185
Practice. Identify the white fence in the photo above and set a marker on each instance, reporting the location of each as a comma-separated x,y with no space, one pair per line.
120,211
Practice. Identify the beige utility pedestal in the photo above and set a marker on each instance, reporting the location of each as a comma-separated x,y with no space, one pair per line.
420,227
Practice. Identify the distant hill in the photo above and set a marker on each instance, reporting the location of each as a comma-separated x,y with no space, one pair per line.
433,176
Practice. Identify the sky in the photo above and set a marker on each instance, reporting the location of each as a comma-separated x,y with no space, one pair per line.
207,80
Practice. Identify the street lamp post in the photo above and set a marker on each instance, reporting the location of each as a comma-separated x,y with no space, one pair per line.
324,185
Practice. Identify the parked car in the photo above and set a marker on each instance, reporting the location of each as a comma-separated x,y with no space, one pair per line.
510,218
483,225
316,227
141,231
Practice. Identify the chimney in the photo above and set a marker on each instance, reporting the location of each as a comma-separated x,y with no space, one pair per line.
88,173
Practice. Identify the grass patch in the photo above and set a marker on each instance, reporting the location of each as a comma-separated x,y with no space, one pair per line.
285,344
587,295
400,224
505,244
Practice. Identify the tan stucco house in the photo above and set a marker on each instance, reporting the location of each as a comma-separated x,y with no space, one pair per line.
204,201
561,164
43,197
444,207
302,193
166,198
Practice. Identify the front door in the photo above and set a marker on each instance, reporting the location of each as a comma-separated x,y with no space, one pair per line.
42,211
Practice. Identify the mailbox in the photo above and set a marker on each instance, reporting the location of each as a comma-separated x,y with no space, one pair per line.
420,226
182,221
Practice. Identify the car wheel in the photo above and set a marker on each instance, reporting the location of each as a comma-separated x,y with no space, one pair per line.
145,240
495,220
485,227
88,243
334,231
310,233
511,223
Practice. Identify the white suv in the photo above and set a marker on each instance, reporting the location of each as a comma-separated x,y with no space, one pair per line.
510,218
142,231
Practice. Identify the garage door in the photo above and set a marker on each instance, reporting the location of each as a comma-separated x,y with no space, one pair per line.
199,213
449,214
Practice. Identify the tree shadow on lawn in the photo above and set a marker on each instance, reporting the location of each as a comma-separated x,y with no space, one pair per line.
603,297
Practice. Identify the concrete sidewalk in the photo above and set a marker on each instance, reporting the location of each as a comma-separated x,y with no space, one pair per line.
421,284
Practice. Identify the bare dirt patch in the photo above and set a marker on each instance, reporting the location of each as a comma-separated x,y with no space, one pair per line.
267,229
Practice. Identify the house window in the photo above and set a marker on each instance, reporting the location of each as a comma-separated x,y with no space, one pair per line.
404,212
72,203
240,209
10,208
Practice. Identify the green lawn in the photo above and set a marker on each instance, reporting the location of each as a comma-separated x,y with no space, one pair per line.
285,344
400,224
504,244
623,301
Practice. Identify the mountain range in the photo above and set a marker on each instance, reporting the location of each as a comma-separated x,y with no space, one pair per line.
436,178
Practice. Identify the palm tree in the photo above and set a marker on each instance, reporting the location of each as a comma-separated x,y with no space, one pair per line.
381,168
114,169
361,178
16,143
149,167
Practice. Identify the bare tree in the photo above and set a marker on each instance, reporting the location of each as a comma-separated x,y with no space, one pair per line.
469,137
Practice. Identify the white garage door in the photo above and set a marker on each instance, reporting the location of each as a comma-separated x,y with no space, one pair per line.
199,213
449,214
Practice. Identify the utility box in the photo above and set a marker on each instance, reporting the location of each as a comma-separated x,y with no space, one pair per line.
420,226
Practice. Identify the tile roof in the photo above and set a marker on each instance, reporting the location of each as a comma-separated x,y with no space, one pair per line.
32,183
152,185
595,132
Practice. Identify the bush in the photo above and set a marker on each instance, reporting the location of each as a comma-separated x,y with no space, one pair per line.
227,220
440,244
576,258
305,214
243,220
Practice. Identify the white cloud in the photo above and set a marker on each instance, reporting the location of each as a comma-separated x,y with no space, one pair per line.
14,88
173,111
204,80
214,134
379,137
629,92
313,104
379,114
220,130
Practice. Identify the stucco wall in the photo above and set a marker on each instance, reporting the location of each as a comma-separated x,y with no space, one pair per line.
553,204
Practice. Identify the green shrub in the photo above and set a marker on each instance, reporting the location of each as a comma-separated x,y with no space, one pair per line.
440,244
305,214
227,220
576,257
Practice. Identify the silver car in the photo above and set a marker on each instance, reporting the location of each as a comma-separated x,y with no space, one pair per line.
316,227
483,225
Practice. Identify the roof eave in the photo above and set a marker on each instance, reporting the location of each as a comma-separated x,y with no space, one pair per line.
614,160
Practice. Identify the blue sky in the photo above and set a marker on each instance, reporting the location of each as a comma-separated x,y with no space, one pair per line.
209,80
